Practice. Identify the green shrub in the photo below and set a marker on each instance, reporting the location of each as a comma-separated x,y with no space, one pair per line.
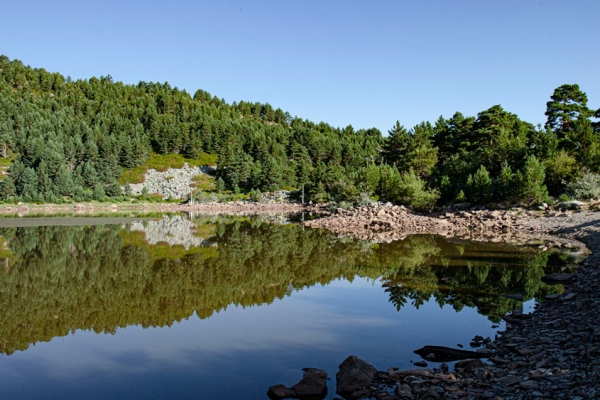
506,183
318,194
561,169
411,191
460,197
344,190
586,188
256,195
114,190
220,185
563,197
479,186
364,199
127,190
205,183
531,182
204,197
332,207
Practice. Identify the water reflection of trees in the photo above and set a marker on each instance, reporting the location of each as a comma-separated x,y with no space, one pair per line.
60,279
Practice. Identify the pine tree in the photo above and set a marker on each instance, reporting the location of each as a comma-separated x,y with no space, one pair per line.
397,147
7,189
27,187
220,185
532,188
99,194
479,186
506,183
423,156
568,103
89,174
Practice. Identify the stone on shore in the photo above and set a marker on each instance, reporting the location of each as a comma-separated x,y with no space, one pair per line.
354,375
442,354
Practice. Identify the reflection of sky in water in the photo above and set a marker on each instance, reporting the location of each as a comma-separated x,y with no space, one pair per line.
238,353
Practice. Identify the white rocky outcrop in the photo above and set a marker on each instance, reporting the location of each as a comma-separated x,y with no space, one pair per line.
174,182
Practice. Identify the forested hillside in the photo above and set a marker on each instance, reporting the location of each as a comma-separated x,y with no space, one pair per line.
65,140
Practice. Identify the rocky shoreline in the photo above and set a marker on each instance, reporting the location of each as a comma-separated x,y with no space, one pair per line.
552,353
235,208
385,222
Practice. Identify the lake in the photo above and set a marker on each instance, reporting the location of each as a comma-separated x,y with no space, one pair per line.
222,307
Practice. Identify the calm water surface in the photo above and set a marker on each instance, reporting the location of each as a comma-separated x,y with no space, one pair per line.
224,307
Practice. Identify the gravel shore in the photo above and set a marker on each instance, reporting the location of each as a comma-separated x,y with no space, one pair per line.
236,208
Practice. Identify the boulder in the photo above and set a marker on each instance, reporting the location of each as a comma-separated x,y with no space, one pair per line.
354,374
313,384
469,364
280,392
571,205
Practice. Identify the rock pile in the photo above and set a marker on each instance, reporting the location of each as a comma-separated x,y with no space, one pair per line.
386,222
174,182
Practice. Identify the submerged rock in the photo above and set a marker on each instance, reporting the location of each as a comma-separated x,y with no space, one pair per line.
279,392
312,386
443,354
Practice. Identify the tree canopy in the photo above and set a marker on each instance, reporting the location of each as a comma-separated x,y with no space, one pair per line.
72,140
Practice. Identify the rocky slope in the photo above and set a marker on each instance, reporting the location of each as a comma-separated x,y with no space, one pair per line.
174,182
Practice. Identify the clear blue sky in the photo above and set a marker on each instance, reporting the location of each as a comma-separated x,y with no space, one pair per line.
365,63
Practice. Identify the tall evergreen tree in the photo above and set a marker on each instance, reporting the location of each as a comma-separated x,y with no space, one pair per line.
568,103
397,147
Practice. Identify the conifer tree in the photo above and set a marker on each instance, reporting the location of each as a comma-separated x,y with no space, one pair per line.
568,103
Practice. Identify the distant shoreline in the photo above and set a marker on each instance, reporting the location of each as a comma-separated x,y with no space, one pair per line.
91,209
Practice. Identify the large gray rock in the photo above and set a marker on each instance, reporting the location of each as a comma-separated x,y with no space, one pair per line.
469,364
444,354
354,374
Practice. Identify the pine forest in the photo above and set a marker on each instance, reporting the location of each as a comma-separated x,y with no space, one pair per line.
67,140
